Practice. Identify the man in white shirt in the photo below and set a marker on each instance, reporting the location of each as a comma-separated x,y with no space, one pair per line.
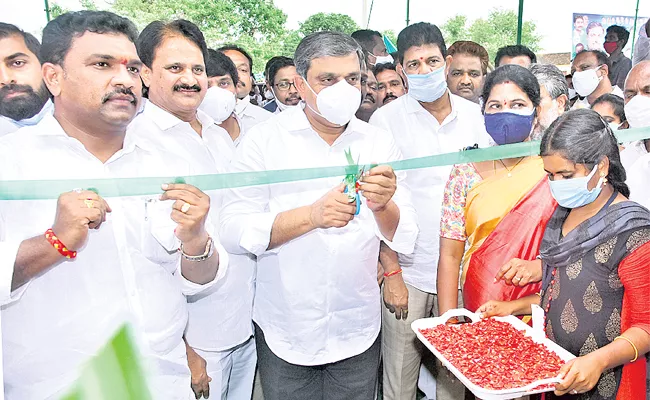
220,105
589,70
426,121
134,262
316,307
249,114
219,327
637,112
24,98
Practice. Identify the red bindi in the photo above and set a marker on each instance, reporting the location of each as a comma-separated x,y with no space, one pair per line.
124,61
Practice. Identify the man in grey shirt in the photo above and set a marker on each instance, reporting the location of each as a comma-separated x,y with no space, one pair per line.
615,41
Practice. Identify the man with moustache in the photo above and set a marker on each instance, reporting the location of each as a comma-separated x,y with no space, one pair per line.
368,96
637,112
221,353
390,84
104,261
554,91
467,62
280,85
24,98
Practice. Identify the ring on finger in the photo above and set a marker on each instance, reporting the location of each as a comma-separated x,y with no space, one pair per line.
89,203
517,278
185,208
574,391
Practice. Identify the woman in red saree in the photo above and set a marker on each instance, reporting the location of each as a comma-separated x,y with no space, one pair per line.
596,265
495,211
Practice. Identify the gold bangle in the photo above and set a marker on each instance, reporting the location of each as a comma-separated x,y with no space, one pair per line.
636,351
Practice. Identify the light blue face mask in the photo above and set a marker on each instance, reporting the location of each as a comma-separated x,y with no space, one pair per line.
574,192
428,87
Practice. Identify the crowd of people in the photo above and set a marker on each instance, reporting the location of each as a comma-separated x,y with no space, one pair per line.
314,284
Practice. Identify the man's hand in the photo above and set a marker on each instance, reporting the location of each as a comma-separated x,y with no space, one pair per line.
198,370
519,272
333,210
190,211
76,212
396,296
378,187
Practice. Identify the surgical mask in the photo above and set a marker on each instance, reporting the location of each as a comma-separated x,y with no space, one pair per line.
268,94
609,47
337,103
585,82
637,111
509,127
428,87
614,126
218,103
383,59
241,105
48,108
574,192
572,93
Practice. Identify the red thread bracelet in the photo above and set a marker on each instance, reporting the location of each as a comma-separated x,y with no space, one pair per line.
58,245
389,274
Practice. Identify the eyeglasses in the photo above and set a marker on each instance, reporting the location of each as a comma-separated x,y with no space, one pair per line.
285,85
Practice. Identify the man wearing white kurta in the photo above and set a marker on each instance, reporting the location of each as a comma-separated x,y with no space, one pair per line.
219,327
429,120
317,310
104,261
24,99
637,111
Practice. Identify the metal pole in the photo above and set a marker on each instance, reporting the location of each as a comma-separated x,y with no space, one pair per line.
520,23
408,6
636,16
47,10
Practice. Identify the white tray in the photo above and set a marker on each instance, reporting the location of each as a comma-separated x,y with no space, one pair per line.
488,394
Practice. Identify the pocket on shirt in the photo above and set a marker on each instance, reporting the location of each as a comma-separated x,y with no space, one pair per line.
159,242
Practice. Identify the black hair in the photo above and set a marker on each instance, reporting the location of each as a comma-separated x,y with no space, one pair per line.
156,32
366,38
514,51
274,65
622,33
219,64
379,68
59,33
602,58
616,102
583,137
419,34
516,74
577,17
233,47
8,30
594,24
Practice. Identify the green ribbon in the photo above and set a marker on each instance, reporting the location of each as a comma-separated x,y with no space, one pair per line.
51,189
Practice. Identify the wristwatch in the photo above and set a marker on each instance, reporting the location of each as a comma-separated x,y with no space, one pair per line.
209,250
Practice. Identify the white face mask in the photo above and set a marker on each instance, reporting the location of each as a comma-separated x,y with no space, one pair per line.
637,111
218,103
268,94
383,59
283,106
337,103
572,93
242,104
585,82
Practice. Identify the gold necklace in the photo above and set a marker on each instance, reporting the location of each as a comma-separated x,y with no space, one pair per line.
510,170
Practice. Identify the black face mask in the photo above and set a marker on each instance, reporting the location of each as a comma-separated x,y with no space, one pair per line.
23,106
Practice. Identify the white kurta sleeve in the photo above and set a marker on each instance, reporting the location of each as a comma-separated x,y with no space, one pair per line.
246,221
407,228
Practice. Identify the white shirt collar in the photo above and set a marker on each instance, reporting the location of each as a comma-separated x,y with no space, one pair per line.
295,119
166,120
414,106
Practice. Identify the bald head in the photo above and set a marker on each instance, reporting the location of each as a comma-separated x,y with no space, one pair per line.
638,81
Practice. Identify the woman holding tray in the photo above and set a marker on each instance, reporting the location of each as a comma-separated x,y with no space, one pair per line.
596,258
499,208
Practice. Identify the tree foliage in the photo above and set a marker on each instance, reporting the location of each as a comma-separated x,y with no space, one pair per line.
497,30
328,22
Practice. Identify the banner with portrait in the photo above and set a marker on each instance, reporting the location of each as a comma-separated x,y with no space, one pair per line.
589,31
